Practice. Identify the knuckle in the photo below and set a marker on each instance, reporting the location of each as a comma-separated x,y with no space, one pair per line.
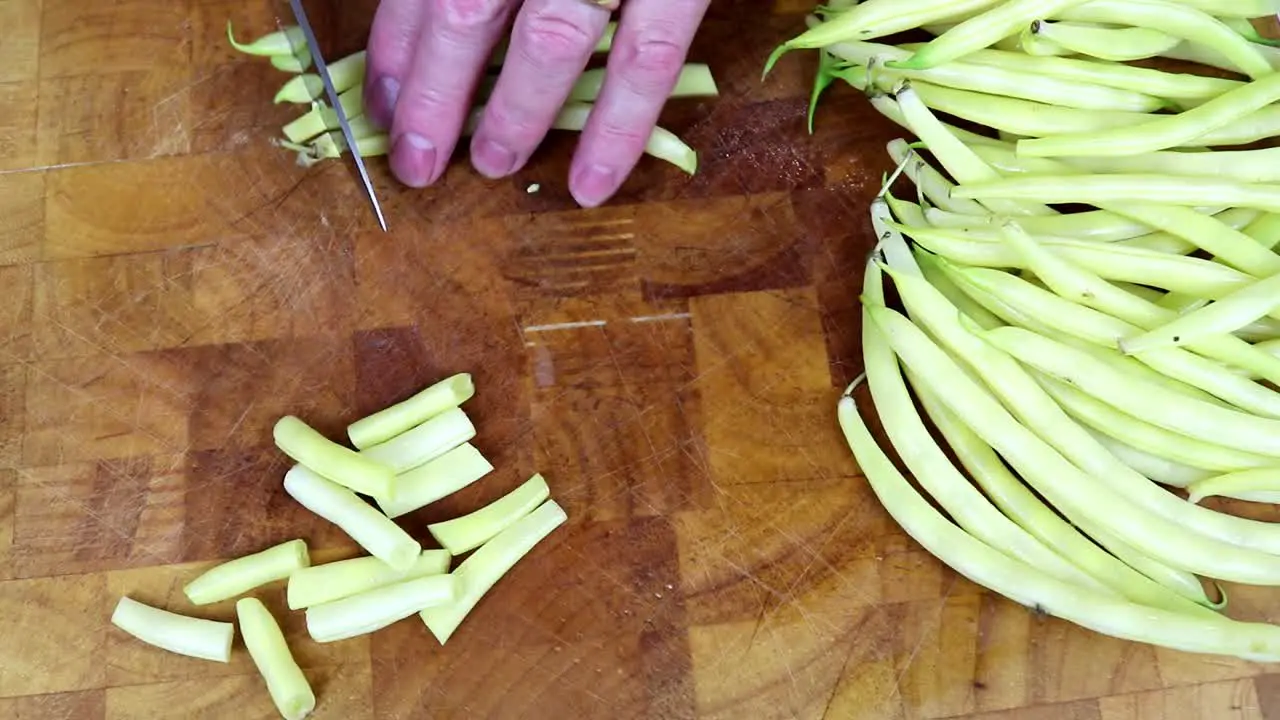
549,39
652,60
469,13
613,132
418,107
513,123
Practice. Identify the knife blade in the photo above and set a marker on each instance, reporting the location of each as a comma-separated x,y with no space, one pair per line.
322,69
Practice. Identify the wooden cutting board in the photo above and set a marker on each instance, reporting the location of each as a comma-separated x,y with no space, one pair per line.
172,284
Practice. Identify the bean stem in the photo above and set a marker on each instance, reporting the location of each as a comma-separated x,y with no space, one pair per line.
281,42
936,187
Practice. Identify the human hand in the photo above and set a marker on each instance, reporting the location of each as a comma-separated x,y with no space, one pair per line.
425,58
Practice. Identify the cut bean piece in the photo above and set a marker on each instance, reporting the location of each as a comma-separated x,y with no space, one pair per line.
372,530
482,570
194,637
289,688
436,479
470,531
422,444
320,584
332,461
407,414
239,576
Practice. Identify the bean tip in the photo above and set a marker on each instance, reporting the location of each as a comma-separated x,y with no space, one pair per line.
773,58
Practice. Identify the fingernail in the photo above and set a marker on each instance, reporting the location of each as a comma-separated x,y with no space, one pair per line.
593,185
493,159
382,100
413,159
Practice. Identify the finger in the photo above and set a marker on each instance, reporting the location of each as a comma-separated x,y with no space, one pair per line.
648,52
455,43
551,43
396,27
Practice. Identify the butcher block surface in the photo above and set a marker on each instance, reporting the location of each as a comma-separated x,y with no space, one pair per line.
171,284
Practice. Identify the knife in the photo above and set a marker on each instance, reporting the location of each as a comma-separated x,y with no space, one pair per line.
323,70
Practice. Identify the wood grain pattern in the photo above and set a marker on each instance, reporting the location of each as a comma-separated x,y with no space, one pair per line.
172,284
